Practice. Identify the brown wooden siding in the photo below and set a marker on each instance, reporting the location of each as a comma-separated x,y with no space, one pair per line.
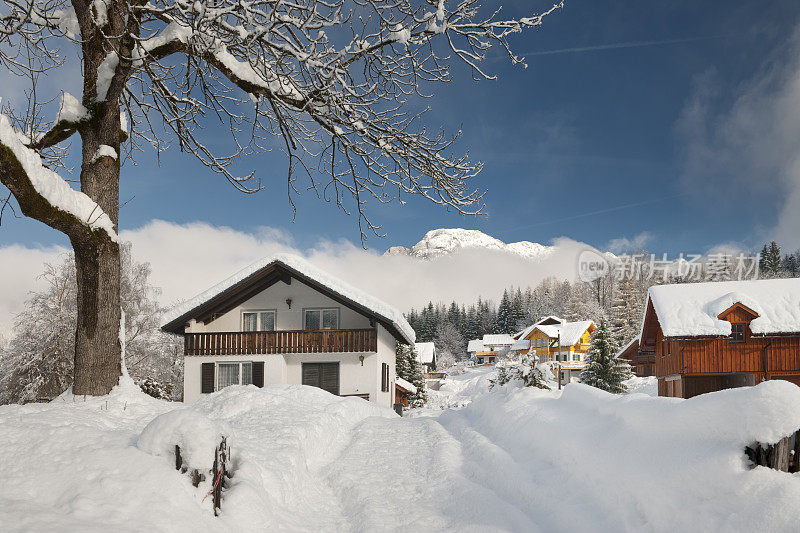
719,356
281,342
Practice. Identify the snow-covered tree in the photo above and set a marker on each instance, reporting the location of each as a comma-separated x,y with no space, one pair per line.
38,364
332,84
604,369
409,368
626,312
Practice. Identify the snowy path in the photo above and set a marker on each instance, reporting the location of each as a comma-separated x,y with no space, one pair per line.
510,460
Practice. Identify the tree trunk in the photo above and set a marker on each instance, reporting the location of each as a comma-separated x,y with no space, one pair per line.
97,346
98,351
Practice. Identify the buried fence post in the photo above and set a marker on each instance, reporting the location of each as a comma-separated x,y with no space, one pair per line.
221,456
783,455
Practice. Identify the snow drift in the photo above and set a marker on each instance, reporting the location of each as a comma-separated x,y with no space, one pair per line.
511,460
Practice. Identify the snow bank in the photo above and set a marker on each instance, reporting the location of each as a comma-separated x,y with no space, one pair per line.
691,309
587,460
51,186
512,459
197,435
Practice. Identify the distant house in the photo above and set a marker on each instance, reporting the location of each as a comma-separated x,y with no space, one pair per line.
426,356
642,364
283,320
485,350
403,391
705,337
554,340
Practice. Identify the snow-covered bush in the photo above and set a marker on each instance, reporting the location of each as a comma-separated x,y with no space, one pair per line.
195,433
529,373
409,368
156,389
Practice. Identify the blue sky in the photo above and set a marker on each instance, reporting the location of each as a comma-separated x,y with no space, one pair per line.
575,133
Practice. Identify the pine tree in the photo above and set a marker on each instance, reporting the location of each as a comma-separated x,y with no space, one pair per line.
504,315
603,369
407,367
791,265
770,260
626,313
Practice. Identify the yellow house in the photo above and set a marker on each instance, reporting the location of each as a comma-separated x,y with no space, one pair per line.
552,339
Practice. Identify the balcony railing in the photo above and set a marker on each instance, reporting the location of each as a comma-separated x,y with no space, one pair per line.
292,341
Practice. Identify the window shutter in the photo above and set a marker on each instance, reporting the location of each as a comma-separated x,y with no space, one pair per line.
207,378
330,377
258,373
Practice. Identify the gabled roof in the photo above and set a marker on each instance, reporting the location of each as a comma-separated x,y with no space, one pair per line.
498,339
475,345
693,309
570,332
549,321
249,281
632,345
425,352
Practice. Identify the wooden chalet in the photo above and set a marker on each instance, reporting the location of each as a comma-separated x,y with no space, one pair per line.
704,337
642,364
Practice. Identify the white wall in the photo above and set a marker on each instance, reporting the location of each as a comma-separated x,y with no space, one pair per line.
354,378
275,297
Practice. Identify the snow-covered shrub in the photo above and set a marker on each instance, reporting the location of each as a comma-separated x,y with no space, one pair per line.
156,389
529,374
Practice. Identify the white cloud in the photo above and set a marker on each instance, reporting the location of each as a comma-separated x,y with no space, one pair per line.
19,276
744,152
629,244
187,259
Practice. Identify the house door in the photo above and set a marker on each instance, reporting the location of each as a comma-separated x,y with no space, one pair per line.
322,375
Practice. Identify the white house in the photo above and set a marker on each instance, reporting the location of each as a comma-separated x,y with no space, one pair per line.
426,356
486,350
282,320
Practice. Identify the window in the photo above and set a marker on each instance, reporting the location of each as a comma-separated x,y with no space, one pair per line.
576,357
234,373
315,319
737,333
384,377
258,320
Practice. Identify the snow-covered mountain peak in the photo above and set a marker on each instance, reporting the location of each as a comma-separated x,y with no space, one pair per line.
445,241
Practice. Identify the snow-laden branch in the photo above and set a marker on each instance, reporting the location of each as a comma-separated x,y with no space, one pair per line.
39,189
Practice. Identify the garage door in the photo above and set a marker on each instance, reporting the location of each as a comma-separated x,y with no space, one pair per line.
322,375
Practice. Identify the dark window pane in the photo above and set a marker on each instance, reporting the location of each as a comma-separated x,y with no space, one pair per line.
312,320
268,321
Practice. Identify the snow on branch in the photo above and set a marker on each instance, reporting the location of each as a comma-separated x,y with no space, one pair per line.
338,82
47,186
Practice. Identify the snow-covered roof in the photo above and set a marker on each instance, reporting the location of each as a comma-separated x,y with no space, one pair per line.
521,344
406,385
425,352
305,269
570,332
475,345
498,339
548,318
691,309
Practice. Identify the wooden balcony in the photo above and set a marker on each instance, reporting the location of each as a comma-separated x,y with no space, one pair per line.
293,341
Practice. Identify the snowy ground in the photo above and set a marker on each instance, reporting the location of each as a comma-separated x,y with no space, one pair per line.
506,460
